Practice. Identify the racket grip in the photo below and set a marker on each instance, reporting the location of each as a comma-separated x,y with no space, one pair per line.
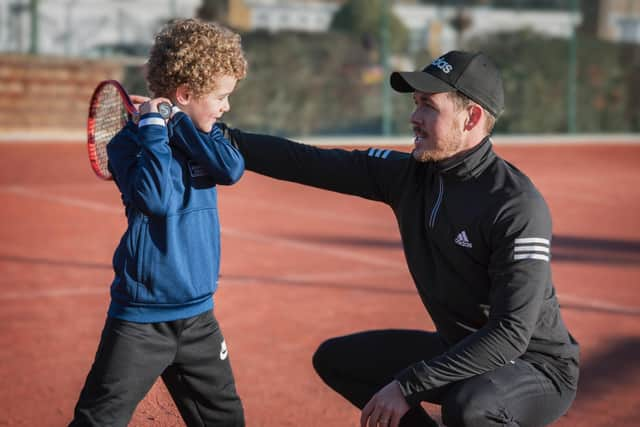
164,108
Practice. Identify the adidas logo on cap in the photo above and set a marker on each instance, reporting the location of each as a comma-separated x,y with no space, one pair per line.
472,74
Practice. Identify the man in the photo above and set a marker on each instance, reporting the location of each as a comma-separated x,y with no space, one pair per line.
476,235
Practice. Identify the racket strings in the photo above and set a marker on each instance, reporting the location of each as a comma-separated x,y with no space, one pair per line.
110,116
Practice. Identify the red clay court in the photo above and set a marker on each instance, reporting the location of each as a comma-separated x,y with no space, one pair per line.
299,265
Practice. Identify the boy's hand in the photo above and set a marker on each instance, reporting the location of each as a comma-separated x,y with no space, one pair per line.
154,106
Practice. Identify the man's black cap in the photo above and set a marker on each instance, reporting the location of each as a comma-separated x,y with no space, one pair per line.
472,74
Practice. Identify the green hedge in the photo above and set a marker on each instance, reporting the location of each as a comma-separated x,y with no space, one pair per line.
329,84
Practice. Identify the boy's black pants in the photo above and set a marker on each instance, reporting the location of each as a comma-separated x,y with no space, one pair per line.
190,355
517,394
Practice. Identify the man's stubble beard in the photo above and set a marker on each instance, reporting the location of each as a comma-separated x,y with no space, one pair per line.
451,146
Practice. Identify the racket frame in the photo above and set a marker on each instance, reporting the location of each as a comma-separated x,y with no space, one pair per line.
164,109
91,122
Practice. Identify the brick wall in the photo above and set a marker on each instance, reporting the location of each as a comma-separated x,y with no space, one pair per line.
47,94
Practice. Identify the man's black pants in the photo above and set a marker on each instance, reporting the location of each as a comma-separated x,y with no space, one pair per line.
190,355
517,394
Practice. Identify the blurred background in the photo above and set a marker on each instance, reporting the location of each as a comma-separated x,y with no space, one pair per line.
299,259
321,67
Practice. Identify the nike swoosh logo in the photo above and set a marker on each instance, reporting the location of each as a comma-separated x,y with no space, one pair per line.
223,351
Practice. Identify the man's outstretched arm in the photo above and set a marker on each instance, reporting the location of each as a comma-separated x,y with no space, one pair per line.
350,172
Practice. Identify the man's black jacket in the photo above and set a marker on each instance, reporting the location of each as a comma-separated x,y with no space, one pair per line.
476,235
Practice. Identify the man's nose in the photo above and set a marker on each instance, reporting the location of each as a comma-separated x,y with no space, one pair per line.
413,118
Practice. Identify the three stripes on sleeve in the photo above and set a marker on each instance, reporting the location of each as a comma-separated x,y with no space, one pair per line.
378,152
531,248
524,248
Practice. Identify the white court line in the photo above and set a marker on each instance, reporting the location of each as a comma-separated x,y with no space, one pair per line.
272,240
24,191
314,247
312,277
323,214
604,306
67,201
300,278
347,254
52,293
80,137
224,280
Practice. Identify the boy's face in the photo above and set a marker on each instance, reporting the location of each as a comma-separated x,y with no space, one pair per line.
206,110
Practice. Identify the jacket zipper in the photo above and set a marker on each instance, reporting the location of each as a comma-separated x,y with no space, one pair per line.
436,206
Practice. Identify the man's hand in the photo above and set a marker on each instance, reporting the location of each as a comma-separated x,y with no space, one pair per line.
385,408
138,100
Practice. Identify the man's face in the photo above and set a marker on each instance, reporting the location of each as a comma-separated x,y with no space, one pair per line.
437,125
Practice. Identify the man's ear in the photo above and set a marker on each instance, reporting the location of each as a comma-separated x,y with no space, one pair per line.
474,115
183,94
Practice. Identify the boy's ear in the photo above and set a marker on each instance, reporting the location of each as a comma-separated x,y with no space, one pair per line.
183,94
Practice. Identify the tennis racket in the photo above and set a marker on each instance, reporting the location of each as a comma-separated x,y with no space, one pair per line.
109,110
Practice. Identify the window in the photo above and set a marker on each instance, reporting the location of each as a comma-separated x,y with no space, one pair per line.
262,20
629,29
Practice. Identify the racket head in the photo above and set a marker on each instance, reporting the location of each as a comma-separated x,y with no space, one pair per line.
110,109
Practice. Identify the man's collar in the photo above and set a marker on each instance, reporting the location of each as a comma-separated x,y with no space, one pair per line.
468,163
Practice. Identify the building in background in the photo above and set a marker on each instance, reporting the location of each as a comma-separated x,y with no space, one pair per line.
613,20
430,26
87,27
92,28
287,15
434,26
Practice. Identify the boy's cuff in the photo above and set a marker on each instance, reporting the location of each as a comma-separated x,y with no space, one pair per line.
151,119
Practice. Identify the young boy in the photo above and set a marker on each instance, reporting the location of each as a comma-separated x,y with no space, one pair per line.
160,321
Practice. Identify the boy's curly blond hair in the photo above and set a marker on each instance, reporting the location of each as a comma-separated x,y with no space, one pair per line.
195,53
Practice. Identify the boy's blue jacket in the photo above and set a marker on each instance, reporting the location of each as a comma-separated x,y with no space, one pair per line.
166,265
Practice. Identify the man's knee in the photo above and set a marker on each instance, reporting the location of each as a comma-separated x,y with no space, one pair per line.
462,409
325,358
